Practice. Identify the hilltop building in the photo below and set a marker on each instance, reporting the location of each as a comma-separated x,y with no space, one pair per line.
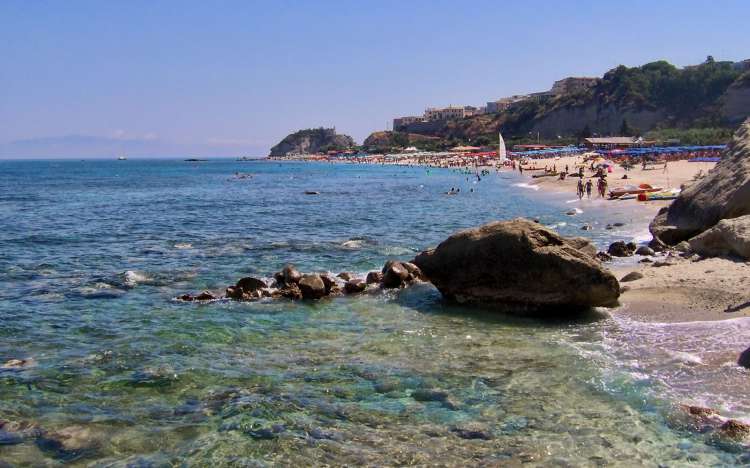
573,84
504,103
448,113
401,122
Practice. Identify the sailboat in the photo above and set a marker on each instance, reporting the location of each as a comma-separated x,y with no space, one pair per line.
501,153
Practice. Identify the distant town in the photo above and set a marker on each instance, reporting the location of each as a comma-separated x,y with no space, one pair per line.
570,85
653,105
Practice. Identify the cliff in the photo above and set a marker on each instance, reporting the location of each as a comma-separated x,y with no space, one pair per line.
654,96
382,141
313,140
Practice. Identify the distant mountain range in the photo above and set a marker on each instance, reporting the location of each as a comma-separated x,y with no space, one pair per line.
91,146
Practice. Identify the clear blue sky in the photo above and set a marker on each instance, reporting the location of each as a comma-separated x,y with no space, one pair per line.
87,78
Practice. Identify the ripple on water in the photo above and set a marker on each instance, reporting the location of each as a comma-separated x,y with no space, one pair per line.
126,377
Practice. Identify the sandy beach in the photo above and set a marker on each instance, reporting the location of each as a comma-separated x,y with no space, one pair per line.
673,289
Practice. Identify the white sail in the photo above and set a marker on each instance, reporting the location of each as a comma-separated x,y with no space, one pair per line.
501,154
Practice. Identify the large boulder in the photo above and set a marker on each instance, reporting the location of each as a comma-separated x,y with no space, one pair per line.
312,287
395,274
519,264
584,245
730,237
723,194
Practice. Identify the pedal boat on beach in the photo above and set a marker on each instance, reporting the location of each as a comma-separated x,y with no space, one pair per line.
664,195
632,190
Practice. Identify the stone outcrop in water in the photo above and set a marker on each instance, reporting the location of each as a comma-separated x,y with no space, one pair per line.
291,284
723,194
310,141
518,264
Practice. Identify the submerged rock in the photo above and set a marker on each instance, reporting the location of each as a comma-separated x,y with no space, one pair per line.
620,249
519,264
472,431
355,286
205,296
70,443
374,277
291,291
735,429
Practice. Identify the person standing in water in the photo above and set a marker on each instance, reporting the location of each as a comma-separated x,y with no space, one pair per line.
580,189
589,185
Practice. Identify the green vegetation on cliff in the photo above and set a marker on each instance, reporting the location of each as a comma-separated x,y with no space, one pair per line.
311,141
658,99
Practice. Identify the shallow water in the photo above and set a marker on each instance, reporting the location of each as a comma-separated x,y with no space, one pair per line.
93,252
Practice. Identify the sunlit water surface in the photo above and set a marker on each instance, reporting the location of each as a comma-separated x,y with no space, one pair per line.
93,253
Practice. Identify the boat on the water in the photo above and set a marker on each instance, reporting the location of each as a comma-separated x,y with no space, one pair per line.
122,158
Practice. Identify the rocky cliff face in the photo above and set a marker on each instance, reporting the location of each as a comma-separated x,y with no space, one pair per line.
735,104
723,194
605,120
393,139
312,141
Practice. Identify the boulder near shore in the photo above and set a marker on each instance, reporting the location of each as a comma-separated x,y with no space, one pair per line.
518,264
721,195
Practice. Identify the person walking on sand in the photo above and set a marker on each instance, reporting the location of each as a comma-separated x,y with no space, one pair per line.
589,186
580,189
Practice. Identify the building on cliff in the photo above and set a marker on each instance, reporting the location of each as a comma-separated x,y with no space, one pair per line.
401,122
449,113
572,85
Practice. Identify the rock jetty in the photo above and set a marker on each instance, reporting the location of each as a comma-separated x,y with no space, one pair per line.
519,264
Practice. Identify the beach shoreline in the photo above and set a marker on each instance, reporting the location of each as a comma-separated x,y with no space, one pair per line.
679,289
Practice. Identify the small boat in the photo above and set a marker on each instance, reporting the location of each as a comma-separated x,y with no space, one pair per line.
663,195
546,174
632,190
122,158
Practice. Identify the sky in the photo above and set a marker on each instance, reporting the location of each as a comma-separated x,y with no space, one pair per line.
232,78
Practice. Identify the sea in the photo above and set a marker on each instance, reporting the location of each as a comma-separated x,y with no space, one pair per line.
116,372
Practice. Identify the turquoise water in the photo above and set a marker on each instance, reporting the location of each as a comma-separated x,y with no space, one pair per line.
93,253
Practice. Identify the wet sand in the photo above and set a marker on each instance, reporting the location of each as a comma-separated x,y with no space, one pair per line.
685,290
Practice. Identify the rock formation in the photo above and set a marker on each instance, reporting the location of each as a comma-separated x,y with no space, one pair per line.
723,194
730,237
519,264
310,141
